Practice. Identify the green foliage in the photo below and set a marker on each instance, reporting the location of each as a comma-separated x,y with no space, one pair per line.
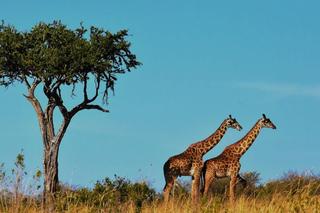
20,161
18,173
108,193
56,55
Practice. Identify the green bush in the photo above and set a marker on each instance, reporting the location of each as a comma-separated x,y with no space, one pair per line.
107,193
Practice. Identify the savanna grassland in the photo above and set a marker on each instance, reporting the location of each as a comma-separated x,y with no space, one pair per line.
294,192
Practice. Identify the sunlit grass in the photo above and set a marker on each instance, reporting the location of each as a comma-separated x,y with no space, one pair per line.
278,202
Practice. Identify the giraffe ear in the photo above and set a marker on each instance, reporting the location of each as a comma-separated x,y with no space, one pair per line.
264,116
230,116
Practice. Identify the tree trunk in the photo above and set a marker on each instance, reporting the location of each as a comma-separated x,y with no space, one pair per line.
50,163
50,167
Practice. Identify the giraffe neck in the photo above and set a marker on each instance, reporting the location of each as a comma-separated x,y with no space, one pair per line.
245,143
208,143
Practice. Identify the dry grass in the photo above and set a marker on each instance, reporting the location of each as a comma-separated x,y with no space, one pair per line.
301,202
278,203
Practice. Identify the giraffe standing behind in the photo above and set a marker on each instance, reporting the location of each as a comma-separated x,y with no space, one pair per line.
190,163
227,164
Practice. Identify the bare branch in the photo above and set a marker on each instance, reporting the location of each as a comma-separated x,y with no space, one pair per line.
49,115
59,94
30,96
33,87
58,137
27,82
56,85
38,109
97,91
83,106
64,111
97,107
85,93
55,100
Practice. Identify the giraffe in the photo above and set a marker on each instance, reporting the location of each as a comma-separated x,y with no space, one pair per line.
227,164
190,163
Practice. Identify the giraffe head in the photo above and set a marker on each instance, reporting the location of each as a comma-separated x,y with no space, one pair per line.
266,122
233,123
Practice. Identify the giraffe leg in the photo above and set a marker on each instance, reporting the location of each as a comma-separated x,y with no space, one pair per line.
233,182
195,187
168,187
208,179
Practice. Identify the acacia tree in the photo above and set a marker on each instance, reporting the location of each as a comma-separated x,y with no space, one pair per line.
52,57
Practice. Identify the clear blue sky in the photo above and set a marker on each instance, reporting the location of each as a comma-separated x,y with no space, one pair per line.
202,60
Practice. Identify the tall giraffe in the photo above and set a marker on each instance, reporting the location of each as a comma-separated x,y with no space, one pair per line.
190,163
227,164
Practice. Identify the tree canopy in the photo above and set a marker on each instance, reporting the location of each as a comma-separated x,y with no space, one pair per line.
55,56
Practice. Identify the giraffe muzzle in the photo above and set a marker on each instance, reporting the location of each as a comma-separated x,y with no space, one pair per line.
239,128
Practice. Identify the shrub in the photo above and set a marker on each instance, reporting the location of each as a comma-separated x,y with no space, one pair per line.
107,193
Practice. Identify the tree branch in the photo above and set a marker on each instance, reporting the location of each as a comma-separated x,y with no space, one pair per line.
32,99
85,93
56,85
83,106
56,96
64,111
49,116
97,91
26,82
58,137
38,109
54,100
97,107
31,88
87,100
